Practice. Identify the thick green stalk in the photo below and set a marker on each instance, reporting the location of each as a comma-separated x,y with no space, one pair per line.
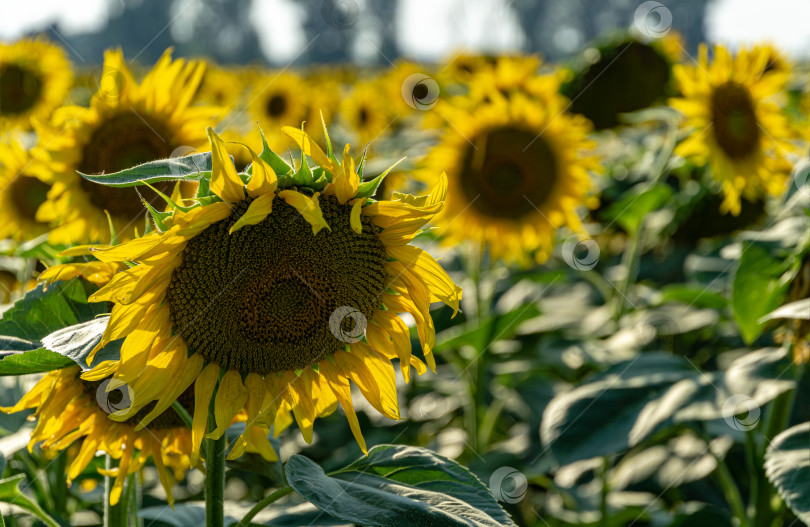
59,484
214,478
114,515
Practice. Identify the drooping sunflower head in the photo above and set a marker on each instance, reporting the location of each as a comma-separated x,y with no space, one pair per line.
71,411
35,77
518,168
21,193
279,287
127,123
622,75
735,120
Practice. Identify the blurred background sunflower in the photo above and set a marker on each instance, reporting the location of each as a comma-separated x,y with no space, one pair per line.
35,77
518,167
128,123
21,193
734,109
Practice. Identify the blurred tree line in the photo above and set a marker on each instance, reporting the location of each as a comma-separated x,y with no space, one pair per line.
336,29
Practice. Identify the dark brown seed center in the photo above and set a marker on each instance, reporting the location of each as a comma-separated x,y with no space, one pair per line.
262,299
20,89
509,172
734,120
122,142
27,194
276,106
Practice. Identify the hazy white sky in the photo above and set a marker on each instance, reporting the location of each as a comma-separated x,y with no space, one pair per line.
451,25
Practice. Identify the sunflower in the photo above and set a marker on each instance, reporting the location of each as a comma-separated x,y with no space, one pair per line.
623,75
219,86
126,124
35,77
367,112
735,123
463,66
517,169
508,74
279,99
408,86
280,291
21,193
70,410
324,100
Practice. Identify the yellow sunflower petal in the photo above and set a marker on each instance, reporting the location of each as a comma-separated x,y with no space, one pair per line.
346,180
426,268
354,219
311,148
225,181
230,399
258,210
263,179
339,384
203,390
307,207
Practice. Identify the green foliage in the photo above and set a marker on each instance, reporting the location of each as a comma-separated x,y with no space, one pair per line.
35,333
398,486
787,463
633,400
10,492
188,168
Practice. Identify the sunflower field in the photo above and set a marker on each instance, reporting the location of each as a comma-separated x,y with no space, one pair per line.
490,291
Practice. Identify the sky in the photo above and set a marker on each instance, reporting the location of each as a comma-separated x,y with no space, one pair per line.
452,25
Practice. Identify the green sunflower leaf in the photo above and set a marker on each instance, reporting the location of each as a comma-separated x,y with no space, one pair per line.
10,492
634,206
186,168
38,360
45,310
631,401
757,290
398,486
41,312
77,341
787,465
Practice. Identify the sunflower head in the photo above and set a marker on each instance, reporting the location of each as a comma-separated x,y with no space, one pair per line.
278,99
127,123
35,77
22,192
72,415
735,123
270,294
367,112
623,75
518,170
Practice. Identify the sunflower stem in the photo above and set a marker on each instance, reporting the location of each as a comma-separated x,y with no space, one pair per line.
215,480
276,495
114,515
